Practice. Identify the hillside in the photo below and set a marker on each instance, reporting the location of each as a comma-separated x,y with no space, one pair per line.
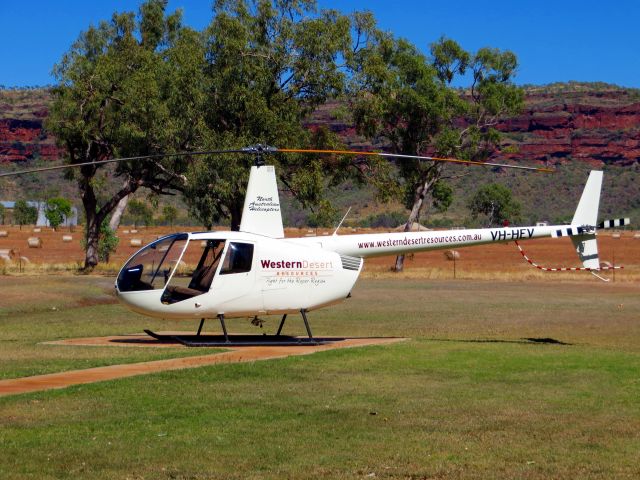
574,127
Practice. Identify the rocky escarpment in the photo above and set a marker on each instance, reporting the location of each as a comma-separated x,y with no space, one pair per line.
22,140
603,129
22,137
559,123
595,123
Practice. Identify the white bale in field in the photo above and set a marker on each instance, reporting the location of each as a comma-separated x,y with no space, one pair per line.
7,252
37,230
67,238
615,235
34,242
4,233
133,230
452,255
5,259
637,235
125,232
136,242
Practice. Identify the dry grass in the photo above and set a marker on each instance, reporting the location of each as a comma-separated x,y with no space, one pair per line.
487,262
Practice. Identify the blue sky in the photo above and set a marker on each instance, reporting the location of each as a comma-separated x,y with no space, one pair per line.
555,41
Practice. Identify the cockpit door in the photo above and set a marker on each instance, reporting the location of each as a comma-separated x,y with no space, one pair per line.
234,287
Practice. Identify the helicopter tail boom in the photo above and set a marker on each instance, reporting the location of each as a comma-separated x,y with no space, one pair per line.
582,232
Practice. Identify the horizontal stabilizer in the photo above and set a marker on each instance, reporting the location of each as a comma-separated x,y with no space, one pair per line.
614,223
573,230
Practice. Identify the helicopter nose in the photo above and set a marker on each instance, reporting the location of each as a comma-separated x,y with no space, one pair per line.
146,302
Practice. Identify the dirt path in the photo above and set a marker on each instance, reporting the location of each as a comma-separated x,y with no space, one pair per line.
234,355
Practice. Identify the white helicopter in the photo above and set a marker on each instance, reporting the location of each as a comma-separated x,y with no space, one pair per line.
256,271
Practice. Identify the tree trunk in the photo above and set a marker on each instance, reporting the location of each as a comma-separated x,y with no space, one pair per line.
92,227
418,202
236,215
92,239
114,223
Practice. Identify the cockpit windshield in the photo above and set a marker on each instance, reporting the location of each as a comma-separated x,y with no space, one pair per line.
151,267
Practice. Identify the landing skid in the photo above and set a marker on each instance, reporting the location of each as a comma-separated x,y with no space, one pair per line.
227,340
240,340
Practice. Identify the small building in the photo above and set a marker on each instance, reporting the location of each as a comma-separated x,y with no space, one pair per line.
42,221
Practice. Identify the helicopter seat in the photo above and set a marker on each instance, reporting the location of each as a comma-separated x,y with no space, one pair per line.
176,293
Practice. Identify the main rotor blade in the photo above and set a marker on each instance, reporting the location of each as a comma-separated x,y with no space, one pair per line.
260,150
417,157
124,159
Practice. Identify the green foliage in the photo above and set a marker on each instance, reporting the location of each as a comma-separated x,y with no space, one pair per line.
495,202
169,214
24,214
2,214
384,220
324,216
139,212
108,242
442,195
57,210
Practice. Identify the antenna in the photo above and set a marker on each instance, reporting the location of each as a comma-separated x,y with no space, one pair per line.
340,224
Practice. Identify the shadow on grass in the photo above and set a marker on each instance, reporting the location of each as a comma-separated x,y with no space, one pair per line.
522,341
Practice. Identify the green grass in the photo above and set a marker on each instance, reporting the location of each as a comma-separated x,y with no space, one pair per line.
40,309
466,397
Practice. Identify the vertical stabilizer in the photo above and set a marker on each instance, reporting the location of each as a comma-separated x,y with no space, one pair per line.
261,214
587,211
587,214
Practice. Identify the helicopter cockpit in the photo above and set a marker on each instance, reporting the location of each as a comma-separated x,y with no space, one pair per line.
167,264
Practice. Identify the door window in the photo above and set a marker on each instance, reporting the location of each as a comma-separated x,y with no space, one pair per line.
238,259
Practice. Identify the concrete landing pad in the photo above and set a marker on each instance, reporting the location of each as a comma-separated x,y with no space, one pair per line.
232,355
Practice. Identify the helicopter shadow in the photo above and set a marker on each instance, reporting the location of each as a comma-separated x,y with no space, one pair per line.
521,341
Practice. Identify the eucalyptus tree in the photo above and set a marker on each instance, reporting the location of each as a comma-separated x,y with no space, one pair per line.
496,203
128,87
269,65
406,99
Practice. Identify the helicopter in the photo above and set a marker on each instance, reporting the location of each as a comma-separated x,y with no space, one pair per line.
256,271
